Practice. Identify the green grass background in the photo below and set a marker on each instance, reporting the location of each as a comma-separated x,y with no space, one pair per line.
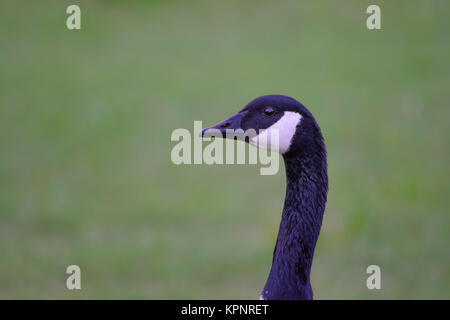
85,124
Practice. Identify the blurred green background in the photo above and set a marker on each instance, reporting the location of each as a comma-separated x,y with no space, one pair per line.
85,124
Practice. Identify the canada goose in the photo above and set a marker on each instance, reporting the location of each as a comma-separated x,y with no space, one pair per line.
302,147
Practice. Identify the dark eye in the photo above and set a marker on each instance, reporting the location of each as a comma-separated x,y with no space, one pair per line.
268,111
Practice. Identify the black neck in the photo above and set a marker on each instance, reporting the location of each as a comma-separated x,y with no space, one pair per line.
306,193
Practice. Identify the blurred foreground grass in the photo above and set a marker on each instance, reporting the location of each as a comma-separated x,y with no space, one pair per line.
85,124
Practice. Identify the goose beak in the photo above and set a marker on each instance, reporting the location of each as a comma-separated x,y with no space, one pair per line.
230,128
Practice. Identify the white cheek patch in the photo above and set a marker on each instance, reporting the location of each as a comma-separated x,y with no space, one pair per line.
278,137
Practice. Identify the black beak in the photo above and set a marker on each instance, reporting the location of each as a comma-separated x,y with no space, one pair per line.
230,128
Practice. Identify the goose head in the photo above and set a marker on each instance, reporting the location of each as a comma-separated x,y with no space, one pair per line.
283,124
274,122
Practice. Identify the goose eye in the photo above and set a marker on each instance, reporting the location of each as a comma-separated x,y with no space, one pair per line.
269,111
